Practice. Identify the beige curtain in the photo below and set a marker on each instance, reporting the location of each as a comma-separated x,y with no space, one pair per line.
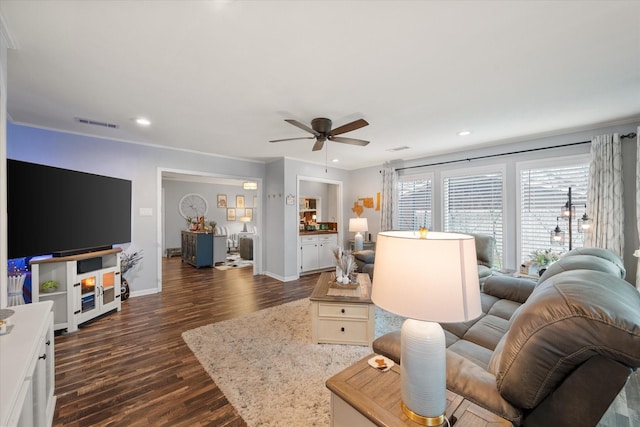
637,252
389,180
605,195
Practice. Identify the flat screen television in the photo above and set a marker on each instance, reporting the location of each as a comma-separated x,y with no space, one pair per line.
61,212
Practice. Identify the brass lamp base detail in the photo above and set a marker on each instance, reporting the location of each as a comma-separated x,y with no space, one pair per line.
421,419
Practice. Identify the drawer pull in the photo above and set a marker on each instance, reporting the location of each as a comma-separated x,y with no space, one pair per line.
343,311
342,329
48,342
43,357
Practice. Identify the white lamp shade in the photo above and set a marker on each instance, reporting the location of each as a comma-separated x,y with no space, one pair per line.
358,224
245,219
433,278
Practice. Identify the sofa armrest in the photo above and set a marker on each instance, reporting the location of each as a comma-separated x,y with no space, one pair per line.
388,345
506,287
478,386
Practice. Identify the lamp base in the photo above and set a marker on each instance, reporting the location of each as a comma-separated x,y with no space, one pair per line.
423,374
358,243
244,229
421,419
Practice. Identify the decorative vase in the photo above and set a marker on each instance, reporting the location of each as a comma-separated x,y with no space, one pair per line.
338,274
14,289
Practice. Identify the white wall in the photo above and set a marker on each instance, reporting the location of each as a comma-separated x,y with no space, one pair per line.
138,163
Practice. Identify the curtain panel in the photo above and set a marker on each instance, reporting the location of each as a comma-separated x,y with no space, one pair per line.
389,180
637,252
605,194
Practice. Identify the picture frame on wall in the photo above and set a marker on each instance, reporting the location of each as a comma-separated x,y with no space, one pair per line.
231,214
222,201
248,213
239,202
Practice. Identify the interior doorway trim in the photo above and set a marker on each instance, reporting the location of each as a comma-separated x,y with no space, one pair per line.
257,250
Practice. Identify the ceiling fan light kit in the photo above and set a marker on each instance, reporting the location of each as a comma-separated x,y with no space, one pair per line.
321,131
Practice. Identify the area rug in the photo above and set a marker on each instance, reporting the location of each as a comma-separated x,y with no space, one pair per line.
267,367
234,261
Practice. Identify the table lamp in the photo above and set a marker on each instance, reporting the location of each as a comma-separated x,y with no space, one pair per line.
245,219
358,225
427,280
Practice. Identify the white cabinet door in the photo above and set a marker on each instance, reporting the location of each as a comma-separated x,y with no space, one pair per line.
309,255
326,244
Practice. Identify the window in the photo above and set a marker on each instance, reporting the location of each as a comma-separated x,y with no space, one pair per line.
474,204
543,193
414,208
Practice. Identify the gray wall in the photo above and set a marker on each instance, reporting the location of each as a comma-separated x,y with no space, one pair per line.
370,180
174,222
139,163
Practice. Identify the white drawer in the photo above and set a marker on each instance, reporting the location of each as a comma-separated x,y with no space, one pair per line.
343,331
347,311
325,239
307,239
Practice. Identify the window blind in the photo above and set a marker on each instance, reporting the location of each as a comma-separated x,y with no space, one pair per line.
414,209
474,204
543,193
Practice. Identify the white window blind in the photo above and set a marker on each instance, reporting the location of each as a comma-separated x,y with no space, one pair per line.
543,193
474,204
414,208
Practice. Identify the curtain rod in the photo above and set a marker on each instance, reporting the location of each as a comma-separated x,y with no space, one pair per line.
629,135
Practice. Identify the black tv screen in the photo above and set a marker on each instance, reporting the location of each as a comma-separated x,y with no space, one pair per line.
62,212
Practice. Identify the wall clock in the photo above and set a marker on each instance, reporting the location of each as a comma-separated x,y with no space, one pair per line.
193,205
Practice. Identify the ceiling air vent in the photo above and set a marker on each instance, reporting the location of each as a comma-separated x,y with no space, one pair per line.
404,147
96,123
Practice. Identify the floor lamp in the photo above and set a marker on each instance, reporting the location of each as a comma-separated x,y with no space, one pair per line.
427,280
568,211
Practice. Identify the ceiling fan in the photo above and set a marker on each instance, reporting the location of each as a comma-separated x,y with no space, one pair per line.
321,129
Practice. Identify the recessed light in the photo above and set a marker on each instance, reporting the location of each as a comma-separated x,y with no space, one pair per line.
335,160
142,121
464,133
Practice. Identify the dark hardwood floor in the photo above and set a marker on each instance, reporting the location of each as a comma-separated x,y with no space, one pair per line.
132,368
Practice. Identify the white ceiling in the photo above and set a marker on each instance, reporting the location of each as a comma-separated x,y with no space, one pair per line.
221,76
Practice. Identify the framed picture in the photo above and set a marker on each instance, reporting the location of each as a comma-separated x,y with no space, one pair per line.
249,213
222,200
240,202
231,214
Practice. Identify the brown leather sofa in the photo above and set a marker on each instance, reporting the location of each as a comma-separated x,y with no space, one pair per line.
485,252
555,352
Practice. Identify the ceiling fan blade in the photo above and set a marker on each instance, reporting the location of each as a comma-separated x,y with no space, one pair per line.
318,145
357,124
351,141
293,139
302,126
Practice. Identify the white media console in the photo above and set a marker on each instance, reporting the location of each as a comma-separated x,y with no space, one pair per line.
88,286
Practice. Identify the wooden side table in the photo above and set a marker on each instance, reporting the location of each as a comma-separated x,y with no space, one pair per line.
362,396
342,319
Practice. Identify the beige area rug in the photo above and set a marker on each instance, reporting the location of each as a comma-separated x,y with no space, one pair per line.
267,367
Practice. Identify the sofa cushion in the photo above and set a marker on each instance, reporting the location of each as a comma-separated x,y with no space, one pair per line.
485,249
367,256
601,253
487,332
474,352
569,318
581,262
507,287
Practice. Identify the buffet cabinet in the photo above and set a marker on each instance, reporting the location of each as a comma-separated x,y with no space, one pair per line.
197,248
88,286
27,367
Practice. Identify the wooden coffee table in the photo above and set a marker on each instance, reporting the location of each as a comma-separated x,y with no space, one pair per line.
342,316
362,396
